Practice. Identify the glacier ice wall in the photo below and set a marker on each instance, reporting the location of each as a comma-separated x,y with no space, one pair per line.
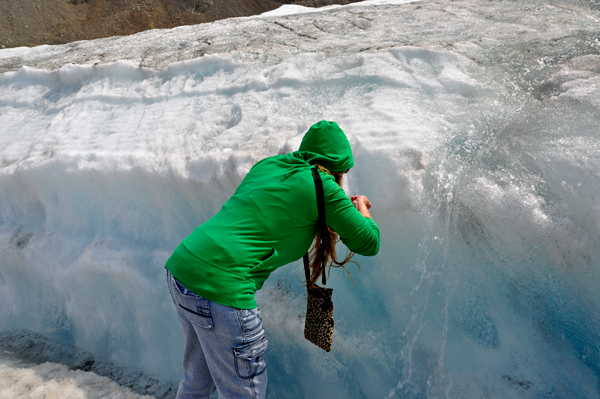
474,127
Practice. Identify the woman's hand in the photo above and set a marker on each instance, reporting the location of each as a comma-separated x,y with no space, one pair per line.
362,204
356,199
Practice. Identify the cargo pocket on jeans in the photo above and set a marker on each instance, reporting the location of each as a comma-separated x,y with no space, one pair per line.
250,359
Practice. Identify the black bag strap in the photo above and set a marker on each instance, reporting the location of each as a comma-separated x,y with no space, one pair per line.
306,268
322,225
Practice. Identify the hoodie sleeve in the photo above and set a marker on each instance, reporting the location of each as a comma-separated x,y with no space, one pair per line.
359,234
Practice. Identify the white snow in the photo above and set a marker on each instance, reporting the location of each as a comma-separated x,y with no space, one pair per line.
55,381
291,9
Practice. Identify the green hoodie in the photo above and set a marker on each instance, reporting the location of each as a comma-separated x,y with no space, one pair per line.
271,220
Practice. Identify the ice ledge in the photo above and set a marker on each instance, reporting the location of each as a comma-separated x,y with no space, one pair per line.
493,27
36,348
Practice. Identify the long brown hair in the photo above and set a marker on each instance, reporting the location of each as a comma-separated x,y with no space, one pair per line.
315,261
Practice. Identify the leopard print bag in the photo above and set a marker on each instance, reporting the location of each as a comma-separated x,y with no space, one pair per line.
318,326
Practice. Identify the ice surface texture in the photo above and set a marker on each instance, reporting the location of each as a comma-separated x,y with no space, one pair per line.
475,132
68,372
56,381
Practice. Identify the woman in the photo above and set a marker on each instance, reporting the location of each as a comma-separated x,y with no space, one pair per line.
270,221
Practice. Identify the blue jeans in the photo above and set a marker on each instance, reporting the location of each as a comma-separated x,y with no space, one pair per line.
224,348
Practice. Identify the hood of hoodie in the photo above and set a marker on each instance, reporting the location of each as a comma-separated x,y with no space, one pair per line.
327,145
